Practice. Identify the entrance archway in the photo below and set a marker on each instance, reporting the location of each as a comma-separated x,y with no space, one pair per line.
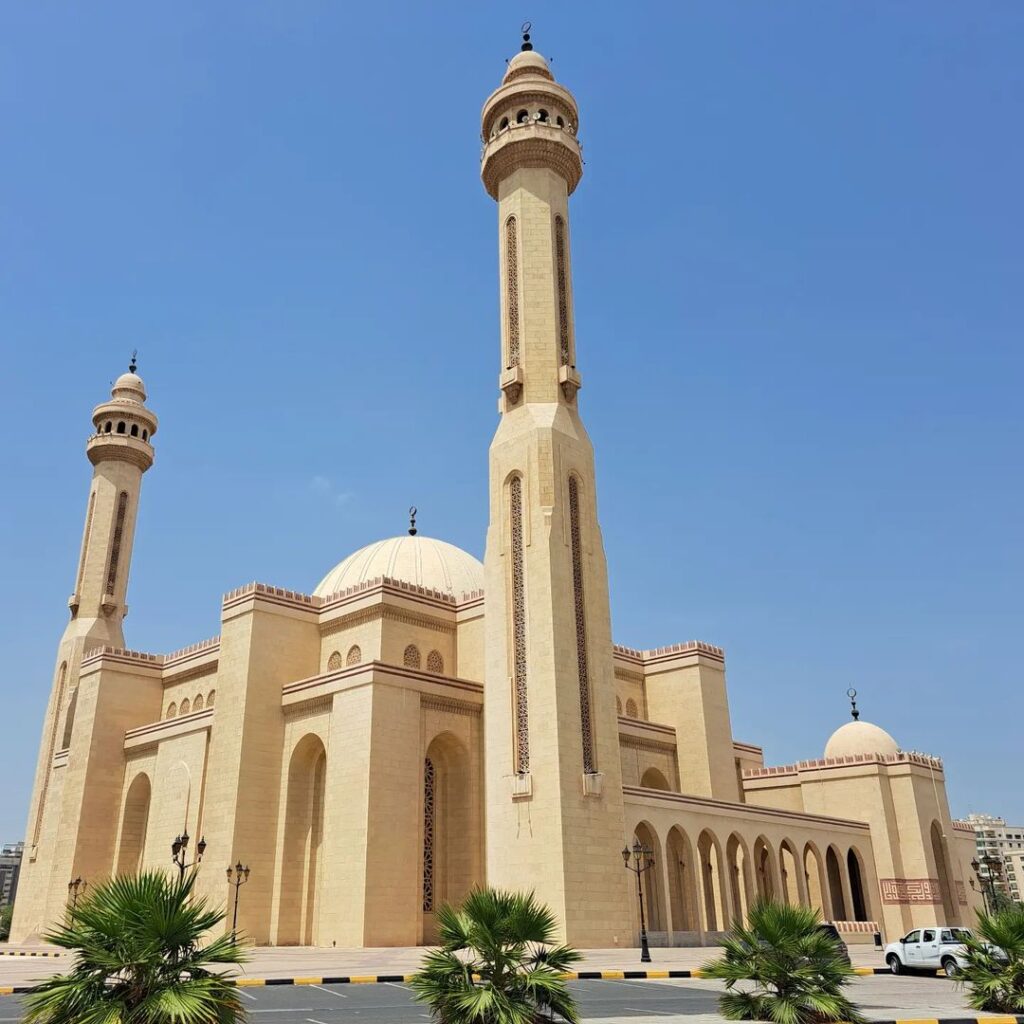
650,881
134,822
448,860
813,878
788,871
709,853
738,860
303,844
858,894
764,870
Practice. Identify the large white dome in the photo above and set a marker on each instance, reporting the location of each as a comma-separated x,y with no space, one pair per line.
423,561
857,738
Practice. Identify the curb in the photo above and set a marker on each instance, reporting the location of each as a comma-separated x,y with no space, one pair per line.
13,952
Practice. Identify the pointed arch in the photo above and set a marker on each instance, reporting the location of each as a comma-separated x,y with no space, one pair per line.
435,663
715,908
197,702
411,656
172,710
210,697
737,858
764,869
134,824
654,779
682,881
814,880
631,708
334,661
354,656
834,873
788,874
650,881
300,870
185,708
858,892
69,718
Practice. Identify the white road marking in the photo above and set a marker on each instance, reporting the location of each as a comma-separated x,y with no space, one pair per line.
311,1021
248,995
330,991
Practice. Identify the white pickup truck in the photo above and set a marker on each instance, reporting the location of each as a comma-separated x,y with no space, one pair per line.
928,949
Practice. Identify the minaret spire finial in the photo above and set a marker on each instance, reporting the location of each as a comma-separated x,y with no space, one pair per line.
133,365
412,521
852,694
527,45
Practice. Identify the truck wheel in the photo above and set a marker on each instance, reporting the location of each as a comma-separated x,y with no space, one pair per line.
894,963
951,967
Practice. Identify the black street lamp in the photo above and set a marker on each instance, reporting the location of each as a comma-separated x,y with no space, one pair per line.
986,882
74,888
241,876
643,860
179,853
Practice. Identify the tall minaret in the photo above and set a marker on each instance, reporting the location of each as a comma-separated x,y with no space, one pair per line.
554,789
120,450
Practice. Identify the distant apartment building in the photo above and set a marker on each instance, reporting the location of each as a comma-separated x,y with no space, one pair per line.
10,868
994,838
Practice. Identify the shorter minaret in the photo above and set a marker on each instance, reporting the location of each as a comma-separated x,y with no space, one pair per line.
120,450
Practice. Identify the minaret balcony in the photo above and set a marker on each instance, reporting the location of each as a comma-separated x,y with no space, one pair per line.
531,144
122,447
511,383
570,381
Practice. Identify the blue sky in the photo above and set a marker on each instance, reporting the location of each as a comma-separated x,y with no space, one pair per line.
797,260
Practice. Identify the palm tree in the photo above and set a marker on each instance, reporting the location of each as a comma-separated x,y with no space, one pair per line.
139,959
796,971
496,963
994,974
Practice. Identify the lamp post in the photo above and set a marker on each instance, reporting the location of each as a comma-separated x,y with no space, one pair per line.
241,876
179,853
75,887
643,860
986,882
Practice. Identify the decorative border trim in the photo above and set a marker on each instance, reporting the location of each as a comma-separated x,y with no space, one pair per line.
901,757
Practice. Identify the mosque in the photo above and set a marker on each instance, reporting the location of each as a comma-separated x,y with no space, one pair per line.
421,723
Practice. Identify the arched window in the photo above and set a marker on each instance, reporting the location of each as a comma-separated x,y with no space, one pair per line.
503,125
135,430
172,710
145,435
582,668
85,541
197,703
185,706
435,663
618,705
631,708
560,122
115,545
334,661
542,115
108,426
520,701
120,427
69,719
512,292
354,656
411,656
562,276
210,698
522,117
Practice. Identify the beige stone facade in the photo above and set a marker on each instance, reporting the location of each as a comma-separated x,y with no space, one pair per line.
422,723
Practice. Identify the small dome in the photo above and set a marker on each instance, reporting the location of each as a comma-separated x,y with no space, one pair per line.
422,561
129,386
857,738
527,62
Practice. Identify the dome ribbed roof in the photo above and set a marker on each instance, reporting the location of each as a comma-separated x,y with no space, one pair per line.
857,738
423,561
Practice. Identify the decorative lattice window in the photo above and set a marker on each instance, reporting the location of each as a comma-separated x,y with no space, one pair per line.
210,698
562,274
512,291
520,700
354,656
435,663
631,711
411,657
185,706
115,546
85,542
618,705
582,668
197,703
429,780
334,661
172,710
